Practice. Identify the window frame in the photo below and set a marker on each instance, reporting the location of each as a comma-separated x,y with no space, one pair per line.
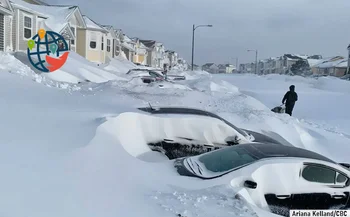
108,49
95,40
72,41
337,171
102,43
31,17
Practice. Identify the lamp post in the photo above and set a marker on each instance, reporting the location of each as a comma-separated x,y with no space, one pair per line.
256,60
193,29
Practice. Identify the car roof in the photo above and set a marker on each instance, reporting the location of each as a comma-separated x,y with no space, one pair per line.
188,111
271,150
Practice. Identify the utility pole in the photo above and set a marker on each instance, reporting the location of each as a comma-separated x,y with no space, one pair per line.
193,29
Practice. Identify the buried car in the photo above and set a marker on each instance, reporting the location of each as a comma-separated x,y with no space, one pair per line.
186,132
152,75
274,177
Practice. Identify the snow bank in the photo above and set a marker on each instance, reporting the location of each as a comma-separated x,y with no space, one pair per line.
119,65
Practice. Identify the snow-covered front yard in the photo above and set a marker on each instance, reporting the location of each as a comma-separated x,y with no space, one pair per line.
61,156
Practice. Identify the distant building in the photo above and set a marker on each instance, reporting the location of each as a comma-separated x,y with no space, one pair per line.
226,68
211,68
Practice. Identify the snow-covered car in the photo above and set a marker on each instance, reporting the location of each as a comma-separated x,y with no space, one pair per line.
186,132
274,177
146,75
152,75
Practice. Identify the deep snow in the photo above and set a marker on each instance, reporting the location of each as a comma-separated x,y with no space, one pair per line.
61,154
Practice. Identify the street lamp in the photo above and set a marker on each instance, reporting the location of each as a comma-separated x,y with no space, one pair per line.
256,60
193,29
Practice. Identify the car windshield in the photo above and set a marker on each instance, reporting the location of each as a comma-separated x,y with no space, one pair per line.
226,159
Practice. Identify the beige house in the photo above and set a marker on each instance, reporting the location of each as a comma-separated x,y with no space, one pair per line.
335,66
141,53
6,17
92,45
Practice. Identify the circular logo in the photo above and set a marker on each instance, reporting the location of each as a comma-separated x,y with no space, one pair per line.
47,51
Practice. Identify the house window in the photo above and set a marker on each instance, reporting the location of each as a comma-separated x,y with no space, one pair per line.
117,48
108,45
102,45
93,40
73,30
28,27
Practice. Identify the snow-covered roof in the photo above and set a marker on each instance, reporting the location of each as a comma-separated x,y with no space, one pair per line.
90,24
56,16
313,62
331,64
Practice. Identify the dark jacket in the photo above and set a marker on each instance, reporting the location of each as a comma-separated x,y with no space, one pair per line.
291,96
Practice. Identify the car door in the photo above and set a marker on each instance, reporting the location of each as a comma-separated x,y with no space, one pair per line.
279,204
326,188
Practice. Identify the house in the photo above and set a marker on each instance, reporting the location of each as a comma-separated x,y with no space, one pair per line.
151,52
29,18
6,16
92,45
226,68
160,55
128,48
113,41
172,56
140,56
211,68
334,66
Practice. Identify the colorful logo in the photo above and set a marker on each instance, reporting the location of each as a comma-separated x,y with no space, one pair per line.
47,51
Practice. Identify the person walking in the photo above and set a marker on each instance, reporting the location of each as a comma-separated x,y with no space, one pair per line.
289,99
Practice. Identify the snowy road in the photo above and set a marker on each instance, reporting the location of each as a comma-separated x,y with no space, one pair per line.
60,155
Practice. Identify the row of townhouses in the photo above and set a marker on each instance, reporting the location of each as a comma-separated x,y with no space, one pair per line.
315,64
20,20
217,68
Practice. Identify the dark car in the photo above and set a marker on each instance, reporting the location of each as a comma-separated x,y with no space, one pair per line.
189,146
284,177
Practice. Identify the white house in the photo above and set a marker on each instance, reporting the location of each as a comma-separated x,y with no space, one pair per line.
151,59
160,55
6,17
112,42
92,45
128,47
29,18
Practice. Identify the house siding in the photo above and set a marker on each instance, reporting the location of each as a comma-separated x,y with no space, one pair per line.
95,55
23,43
8,36
81,43
2,32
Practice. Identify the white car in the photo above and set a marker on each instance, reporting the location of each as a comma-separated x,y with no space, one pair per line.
274,177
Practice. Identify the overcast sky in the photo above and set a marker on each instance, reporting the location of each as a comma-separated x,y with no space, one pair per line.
273,27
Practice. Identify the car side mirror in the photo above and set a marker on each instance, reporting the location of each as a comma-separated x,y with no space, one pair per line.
250,184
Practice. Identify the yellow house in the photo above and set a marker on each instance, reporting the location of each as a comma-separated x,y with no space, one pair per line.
92,44
141,52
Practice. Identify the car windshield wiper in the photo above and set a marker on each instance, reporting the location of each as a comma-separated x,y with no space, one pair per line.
199,168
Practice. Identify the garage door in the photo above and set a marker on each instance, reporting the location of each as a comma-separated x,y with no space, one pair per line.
2,32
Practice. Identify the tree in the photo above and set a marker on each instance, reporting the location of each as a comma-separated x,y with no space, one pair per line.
300,67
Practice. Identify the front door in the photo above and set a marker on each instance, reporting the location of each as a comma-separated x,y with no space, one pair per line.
2,32
326,191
